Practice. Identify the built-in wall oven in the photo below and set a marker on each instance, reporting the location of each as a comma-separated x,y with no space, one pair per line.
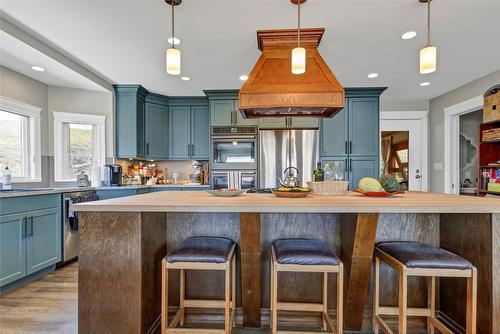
234,179
234,148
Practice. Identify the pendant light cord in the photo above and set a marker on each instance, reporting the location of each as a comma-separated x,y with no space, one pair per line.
428,22
298,24
173,35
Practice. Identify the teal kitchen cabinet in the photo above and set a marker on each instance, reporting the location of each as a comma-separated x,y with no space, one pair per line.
30,235
44,239
224,109
156,127
12,247
360,167
130,121
272,123
189,129
121,192
353,134
288,123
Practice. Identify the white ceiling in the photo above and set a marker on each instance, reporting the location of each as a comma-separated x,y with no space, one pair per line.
20,57
125,41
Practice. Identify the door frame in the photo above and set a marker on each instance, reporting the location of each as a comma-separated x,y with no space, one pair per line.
423,117
452,141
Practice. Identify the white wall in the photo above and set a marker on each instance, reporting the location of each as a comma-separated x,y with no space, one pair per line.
436,131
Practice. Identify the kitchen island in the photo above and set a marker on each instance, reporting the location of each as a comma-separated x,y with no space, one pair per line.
123,241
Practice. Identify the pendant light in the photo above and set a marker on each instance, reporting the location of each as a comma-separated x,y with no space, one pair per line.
428,55
298,53
173,55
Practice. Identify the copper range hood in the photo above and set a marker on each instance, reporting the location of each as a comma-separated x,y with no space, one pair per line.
271,89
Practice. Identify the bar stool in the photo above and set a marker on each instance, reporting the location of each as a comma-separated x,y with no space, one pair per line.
410,258
305,255
200,253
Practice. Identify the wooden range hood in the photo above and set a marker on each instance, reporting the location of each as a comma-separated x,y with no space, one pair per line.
271,89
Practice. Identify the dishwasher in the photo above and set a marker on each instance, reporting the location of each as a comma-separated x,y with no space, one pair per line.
70,236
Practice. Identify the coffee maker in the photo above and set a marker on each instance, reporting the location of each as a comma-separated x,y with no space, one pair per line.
112,175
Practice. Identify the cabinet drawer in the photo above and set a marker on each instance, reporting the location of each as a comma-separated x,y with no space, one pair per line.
27,203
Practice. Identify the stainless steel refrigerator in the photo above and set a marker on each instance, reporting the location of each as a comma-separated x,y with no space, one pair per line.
279,149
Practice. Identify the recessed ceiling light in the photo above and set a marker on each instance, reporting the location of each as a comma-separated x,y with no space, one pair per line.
174,40
38,68
372,75
243,77
423,84
409,35
185,78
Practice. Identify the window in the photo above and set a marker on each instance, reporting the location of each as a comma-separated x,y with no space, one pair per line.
20,140
78,146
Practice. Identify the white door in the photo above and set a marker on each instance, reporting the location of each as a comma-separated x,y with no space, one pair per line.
417,147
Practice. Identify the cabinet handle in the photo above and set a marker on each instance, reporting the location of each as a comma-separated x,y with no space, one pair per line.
147,148
25,224
346,147
350,165
31,226
350,146
346,165
192,149
189,150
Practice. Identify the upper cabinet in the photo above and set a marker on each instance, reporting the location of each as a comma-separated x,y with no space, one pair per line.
156,127
289,123
189,129
224,109
129,121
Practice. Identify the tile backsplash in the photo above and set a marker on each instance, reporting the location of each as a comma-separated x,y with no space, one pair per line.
183,167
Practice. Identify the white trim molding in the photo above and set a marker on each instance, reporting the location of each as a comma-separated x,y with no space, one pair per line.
99,121
423,117
452,141
34,154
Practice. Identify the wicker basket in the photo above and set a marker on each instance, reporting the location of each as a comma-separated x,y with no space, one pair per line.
491,111
329,188
491,135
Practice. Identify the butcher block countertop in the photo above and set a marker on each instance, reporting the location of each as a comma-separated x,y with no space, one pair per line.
201,201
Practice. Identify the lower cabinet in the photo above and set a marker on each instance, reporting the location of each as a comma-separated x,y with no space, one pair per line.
123,192
29,241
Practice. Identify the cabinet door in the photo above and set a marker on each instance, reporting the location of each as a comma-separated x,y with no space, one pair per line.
141,142
156,131
243,121
200,133
221,112
12,247
333,135
44,239
272,123
180,132
360,167
304,122
112,193
363,126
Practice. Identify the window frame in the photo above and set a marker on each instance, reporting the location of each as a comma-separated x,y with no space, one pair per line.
33,154
98,121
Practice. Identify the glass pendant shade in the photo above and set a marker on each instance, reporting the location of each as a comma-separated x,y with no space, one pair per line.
428,59
173,61
298,60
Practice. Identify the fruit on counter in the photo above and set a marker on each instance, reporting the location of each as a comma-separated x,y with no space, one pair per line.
231,189
368,184
389,183
303,189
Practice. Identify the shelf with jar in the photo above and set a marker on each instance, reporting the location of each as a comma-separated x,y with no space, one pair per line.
489,158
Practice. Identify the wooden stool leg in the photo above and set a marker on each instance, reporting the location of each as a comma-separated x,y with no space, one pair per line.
471,302
182,294
340,300
164,297
403,301
376,291
431,302
233,292
325,298
227,302
274,317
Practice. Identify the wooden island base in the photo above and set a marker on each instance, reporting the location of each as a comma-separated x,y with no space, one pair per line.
121,252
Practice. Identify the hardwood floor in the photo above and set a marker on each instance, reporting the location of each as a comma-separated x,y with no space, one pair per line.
48,305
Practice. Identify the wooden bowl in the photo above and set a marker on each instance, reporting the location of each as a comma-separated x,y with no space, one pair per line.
378,193
291,194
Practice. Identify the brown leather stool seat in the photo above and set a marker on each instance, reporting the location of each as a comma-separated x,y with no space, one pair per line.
420,255
416,259
308,252
202,249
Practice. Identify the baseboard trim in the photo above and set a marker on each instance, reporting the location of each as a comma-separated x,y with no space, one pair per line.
25,280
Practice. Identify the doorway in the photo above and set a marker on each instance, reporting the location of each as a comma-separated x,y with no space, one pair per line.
469,151
403,138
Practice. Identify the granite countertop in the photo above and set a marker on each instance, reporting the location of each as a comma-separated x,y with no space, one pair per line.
61,190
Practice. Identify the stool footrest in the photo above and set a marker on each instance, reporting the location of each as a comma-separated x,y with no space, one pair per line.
305,307
382,324
205,303
440,326
195,330
411,311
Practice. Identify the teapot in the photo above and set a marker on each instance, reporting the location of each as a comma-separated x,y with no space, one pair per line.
289,180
